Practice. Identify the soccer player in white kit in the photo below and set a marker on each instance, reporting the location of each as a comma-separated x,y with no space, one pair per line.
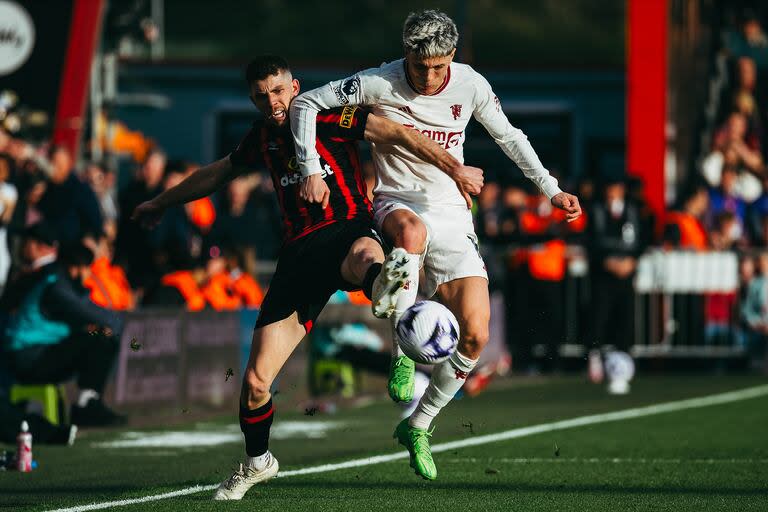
421,211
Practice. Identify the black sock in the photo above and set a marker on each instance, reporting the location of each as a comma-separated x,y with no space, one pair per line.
255,427
370,277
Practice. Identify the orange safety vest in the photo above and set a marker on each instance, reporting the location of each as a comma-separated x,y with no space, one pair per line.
202,213
187,286
692,233
248,289
217,291
358,298
546,262
109,286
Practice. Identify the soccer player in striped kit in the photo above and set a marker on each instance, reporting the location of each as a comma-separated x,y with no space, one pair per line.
420,210
328,245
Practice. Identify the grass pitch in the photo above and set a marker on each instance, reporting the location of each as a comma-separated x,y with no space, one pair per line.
705,458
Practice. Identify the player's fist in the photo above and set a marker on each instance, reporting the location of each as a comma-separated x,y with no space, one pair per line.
568,203
148,214
469,179
314,190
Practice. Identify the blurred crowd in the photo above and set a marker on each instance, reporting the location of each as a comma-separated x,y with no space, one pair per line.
560,280
202,255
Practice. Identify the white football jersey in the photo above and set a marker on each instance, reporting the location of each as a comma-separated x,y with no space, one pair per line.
442,116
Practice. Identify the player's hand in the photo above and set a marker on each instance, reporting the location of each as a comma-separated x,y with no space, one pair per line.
569,203
314,190
469,180
148,214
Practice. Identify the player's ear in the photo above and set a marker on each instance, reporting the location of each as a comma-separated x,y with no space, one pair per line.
296,87
453,54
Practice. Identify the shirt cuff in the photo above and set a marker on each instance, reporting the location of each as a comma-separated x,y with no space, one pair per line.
550,189
310,167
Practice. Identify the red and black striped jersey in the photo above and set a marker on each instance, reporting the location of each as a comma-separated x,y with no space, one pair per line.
338,131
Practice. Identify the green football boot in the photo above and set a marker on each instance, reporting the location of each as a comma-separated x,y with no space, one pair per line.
417,442
401,383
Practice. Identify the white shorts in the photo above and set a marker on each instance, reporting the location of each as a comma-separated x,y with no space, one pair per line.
452,248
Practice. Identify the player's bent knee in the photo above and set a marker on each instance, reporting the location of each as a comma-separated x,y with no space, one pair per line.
412,236
366,250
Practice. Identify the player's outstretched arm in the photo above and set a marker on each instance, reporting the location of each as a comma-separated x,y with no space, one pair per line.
468,179
201,183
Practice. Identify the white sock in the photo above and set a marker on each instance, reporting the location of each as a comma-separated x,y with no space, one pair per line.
396,350
85,396
406,299
447,379
260,462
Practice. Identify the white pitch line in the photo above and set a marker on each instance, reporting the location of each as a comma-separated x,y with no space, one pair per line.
592,460
637,412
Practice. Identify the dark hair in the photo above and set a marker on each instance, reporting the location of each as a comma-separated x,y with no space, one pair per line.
40,232
263,66
75,255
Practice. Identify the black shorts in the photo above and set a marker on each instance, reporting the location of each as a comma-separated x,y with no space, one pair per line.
309,272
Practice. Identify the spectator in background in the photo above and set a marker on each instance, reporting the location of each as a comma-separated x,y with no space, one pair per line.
244,285
218,288
132,241
542,232
734,149
757,217
684,228
68,205
725,198
636,195
8,197
108,284
180,280
754,312
750,41
514,201
727,234
55,332
176,228
746,275
487,218
615,243
102,182
236,218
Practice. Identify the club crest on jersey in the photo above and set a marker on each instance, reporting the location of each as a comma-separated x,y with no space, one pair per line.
351,85
456,111
347,114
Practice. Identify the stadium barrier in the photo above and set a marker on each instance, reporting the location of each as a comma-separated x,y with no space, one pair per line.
171,357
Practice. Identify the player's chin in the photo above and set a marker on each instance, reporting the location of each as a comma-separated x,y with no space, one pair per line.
278,121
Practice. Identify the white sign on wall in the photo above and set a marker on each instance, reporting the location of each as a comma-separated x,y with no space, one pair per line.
17,36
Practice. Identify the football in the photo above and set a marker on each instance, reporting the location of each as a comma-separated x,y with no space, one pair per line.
428,332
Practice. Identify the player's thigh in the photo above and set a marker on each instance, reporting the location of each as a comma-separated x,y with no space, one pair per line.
468,299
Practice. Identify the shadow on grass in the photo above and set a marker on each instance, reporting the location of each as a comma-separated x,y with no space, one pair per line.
512,488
